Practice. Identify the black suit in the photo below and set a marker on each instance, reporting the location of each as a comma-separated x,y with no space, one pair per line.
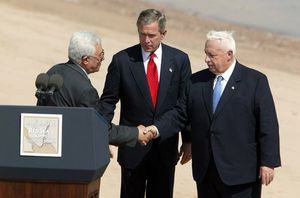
126,81
240,136
77,91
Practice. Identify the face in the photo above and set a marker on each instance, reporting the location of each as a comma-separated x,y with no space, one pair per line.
92,64
217,59
150,37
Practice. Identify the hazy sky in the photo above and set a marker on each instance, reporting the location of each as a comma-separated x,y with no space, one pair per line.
276,15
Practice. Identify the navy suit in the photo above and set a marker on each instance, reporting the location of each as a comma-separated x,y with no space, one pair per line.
240,136
126,81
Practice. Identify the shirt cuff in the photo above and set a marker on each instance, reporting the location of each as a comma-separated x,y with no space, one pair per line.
157,132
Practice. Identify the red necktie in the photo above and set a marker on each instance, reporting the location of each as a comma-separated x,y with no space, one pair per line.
152,77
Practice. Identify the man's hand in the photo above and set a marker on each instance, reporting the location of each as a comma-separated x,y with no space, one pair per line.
144,137
185,152
266,174
151,129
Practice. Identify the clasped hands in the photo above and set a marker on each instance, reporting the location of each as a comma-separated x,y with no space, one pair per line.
146,134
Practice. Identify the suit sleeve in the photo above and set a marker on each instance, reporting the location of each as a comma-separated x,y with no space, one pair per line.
175,119
123,135
110,95
185,76
268,130
89,98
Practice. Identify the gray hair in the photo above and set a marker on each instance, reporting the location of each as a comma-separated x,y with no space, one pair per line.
82,44
149,16
225,37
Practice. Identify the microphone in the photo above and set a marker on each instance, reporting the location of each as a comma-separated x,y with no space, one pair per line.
55,83
41,84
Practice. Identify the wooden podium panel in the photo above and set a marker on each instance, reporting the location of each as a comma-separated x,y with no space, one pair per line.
26,189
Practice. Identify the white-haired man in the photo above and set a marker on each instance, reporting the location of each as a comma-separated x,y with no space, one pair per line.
234,127
85,57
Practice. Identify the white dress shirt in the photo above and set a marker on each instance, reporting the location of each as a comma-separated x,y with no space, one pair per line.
226,75
157,59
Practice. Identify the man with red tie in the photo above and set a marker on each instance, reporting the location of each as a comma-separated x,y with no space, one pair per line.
147,78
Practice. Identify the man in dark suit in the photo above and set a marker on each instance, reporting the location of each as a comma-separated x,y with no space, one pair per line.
234,127
85,57
147,78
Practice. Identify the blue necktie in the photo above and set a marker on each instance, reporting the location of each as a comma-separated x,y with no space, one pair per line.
217,93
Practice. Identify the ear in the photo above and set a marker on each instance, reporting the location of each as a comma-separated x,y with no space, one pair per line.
84,60
163,34
230,54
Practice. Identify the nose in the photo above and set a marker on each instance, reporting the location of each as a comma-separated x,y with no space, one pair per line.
207,59
147,39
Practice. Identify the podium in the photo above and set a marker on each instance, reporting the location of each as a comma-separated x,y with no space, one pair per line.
73,166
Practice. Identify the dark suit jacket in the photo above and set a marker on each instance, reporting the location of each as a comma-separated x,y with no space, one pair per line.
77,91
241,135
126,81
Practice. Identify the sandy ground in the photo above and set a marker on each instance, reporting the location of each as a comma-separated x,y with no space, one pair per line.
34,35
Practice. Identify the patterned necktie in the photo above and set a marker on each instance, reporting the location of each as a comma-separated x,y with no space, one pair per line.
217,93
152,78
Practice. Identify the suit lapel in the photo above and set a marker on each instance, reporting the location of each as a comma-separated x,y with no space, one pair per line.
230,89
167,69
138,72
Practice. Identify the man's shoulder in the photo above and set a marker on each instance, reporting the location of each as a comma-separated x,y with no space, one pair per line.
57,68
63,68
172,49
202,76
129,50
249,71
69,71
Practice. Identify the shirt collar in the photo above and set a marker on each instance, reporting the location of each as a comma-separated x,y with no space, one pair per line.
82,69
158,53
226,75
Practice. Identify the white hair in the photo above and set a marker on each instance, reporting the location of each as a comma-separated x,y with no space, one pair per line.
82,44
225,37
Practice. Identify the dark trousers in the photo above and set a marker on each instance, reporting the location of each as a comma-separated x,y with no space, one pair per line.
152,177
213,187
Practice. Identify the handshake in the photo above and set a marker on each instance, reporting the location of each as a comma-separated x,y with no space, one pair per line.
146,134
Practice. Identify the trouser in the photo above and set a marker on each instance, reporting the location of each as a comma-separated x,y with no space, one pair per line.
152,177
213,187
